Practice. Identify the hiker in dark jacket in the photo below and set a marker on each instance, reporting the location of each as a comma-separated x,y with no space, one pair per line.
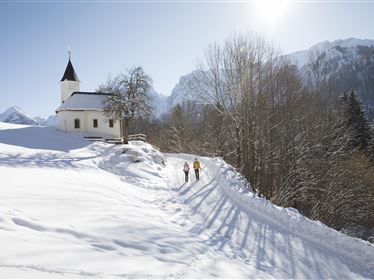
186,169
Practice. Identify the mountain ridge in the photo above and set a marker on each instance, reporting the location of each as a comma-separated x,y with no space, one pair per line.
16,115
340,53
300,58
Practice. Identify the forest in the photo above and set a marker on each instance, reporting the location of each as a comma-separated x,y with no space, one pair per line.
299,139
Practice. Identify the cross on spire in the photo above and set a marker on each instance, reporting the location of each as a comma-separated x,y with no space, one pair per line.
69,73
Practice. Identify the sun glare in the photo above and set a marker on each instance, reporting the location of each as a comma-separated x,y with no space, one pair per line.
271,11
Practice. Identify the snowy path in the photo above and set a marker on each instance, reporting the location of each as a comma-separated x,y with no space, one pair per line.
272,240
70,208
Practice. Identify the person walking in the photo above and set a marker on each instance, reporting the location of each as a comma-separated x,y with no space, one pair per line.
196,167
186,169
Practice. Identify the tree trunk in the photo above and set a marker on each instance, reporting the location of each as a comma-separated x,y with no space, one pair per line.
120,128
126,131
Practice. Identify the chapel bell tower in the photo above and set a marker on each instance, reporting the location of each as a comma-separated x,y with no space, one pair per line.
69,82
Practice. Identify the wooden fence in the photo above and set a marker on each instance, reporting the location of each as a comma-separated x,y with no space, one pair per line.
137,137
132,137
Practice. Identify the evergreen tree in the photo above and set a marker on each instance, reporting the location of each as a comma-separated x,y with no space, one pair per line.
175,135
354,120
371,145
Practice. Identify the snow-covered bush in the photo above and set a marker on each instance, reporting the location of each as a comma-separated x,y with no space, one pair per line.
118,158
138,151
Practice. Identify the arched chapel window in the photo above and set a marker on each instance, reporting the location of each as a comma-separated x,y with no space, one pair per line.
77,123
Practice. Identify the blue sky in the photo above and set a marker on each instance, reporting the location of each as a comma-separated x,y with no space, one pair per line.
165,38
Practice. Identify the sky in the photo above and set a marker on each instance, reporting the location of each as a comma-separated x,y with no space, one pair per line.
166,38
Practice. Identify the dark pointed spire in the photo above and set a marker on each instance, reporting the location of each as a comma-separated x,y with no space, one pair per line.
70,74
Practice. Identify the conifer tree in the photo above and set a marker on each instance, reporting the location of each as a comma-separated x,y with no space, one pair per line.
176,132
356,121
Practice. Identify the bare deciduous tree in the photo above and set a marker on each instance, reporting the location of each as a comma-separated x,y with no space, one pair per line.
281,130
128,97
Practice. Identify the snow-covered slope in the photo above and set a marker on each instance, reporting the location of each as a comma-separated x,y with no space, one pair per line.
17,116
50,121
349,62
333,49
71,208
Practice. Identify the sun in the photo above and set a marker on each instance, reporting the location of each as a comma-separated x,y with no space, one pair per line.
271,11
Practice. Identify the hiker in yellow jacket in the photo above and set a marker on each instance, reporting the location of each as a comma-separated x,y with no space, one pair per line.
196,167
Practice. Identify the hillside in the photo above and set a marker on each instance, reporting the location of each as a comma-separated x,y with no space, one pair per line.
351,61
72,208
332,49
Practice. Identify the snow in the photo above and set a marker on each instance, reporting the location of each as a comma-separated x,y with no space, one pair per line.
49,121
71,208
301,58
83,101
181,94
158,102
17,116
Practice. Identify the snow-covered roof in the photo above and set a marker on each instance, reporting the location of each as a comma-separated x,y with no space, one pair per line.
83,101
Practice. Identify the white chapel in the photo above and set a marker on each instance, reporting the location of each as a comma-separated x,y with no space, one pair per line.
83,111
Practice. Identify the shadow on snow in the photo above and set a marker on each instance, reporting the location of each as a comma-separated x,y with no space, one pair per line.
45,138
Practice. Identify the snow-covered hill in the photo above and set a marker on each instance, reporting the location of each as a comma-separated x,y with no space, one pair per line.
71,208
17,116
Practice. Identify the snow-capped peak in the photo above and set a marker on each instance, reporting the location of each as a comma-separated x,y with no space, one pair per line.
15,115
13,110
300,58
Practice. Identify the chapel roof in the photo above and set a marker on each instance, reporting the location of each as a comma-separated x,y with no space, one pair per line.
84,101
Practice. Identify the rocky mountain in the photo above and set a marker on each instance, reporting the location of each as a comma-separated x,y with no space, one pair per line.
15,115
338,49
350,61
181,92
349,64
162,104
50,121
159,102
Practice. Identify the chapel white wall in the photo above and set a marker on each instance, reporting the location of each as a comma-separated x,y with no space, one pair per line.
103,124
65,122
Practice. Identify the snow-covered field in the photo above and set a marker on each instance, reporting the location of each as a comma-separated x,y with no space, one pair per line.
72,208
